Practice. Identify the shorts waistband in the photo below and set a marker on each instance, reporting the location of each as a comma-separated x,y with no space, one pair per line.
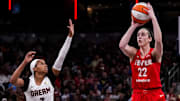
146,90
153,88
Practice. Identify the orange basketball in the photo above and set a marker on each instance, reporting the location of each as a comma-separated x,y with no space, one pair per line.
138,13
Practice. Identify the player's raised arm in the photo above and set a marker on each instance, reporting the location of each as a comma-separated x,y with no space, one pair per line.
123,45
64,50
15,77
158,50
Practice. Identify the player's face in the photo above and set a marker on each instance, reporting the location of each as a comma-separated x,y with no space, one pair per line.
143,37
41,66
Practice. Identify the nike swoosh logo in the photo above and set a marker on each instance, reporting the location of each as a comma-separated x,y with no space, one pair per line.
161,95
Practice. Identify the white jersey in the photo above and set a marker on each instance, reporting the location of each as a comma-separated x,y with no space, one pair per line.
43,92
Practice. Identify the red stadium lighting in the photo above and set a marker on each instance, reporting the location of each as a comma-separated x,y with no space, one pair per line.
75,9
9,5
137,1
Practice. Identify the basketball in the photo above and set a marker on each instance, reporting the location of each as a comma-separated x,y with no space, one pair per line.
139,15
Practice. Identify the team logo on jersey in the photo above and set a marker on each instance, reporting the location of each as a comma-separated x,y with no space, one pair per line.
161,95
46,83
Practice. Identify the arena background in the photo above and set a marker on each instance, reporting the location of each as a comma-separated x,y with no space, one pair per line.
95,68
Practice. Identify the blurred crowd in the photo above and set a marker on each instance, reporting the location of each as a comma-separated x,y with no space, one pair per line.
94,70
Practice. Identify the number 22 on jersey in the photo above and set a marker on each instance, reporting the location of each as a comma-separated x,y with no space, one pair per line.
142,72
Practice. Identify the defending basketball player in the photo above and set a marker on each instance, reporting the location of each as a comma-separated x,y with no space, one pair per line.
40,85
146,61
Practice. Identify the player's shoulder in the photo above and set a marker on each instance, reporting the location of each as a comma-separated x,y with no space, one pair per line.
136,52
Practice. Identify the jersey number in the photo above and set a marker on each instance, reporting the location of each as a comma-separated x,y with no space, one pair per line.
142,72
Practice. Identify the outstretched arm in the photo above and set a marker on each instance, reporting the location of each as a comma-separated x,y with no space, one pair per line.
158,50
123,45
15,77
64,50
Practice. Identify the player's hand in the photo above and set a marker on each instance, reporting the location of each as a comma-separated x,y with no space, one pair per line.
71,28
135,24
29,56
150,11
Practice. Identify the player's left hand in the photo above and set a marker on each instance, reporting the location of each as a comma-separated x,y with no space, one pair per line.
135,24
29,56
150,11
71,28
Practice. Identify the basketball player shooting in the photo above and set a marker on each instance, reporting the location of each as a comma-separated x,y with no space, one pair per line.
146,61
40,85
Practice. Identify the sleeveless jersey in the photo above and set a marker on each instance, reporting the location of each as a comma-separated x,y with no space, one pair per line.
43,92
145,72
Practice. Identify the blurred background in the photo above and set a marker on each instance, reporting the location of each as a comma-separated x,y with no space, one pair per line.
95,69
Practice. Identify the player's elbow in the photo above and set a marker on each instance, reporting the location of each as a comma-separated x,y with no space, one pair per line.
12,80
121,45
55,72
